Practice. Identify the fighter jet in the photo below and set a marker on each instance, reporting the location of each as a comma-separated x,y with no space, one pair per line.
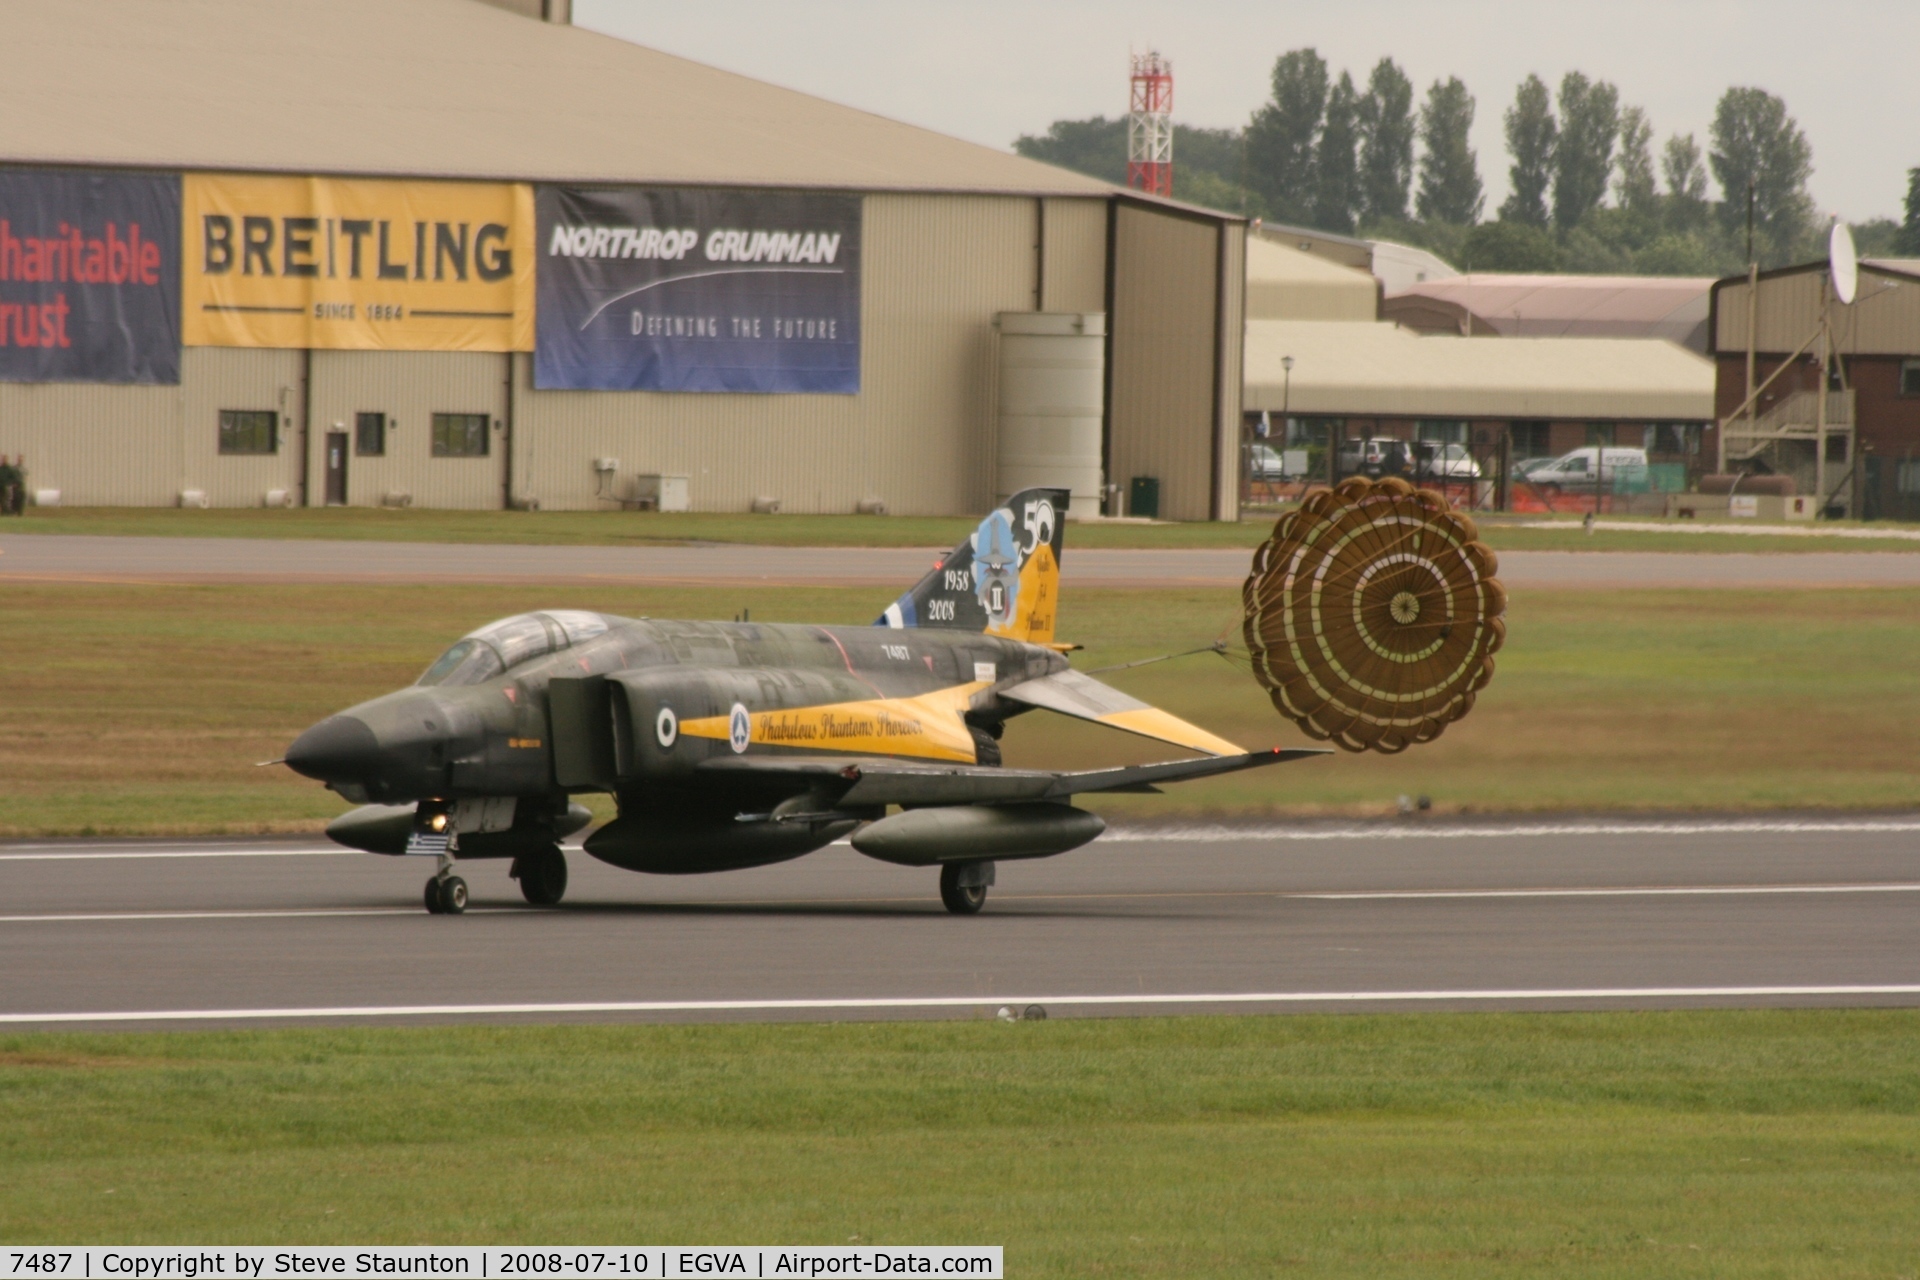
737,744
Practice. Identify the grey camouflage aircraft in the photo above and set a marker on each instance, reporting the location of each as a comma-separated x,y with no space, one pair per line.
731,745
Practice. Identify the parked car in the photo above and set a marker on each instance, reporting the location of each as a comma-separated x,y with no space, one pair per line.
1585,470
1375,456
1445,462
1265,463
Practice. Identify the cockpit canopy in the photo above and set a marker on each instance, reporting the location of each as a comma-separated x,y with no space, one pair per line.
501,646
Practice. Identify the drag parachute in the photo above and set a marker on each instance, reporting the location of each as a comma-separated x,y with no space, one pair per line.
1373,614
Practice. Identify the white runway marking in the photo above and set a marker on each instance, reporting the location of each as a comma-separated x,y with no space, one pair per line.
1510,995
1648,892
1689,526
1221,834
1360,895
93,854
288,913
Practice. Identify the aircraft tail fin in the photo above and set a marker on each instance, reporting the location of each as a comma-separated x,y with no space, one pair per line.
1004,580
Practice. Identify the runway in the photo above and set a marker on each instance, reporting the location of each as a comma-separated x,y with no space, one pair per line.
87,558
1554,915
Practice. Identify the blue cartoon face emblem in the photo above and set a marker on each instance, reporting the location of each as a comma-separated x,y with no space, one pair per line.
996,566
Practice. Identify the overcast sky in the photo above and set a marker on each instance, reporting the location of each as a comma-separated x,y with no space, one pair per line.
990,70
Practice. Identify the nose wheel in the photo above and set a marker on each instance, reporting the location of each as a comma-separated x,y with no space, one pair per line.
446,895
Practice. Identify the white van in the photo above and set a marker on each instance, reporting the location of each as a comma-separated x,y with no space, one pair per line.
1590,468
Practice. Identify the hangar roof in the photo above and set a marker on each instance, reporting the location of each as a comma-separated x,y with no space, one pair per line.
441,88
1518,305
1284,283
1342,368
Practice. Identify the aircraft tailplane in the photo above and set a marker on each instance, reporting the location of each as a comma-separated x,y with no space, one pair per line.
1004,580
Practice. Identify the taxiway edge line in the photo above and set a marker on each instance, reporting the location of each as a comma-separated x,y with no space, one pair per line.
1510,995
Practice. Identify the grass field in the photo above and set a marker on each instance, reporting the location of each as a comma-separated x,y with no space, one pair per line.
1613,1144
614,528
142,709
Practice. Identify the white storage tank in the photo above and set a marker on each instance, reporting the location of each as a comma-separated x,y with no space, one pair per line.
1052,389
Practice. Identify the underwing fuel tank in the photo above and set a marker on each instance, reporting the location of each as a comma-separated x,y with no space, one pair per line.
976,832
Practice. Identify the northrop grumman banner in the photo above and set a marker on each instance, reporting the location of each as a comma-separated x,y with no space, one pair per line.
358,264
698,290
89,277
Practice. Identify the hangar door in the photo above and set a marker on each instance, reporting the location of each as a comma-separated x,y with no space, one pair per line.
1175,319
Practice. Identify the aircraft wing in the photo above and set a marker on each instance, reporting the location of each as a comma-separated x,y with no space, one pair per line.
1072,693
876,780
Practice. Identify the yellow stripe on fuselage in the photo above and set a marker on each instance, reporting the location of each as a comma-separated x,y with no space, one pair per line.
928,726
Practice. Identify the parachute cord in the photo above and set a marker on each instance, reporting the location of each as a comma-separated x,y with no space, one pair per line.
1218,646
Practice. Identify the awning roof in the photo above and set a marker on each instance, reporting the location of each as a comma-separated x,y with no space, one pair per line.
1357,369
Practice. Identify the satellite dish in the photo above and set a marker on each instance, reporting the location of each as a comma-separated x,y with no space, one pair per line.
1843,263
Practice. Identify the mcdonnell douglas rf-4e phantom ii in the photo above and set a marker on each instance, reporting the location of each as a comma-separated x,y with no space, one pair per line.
732,745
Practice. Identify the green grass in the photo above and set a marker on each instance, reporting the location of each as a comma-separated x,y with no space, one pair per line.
614,528
1611,1144
142,709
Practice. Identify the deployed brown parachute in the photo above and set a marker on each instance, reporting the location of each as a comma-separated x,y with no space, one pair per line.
1373,615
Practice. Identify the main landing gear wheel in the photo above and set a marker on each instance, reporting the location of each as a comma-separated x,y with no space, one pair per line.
961,899
446,896
543,878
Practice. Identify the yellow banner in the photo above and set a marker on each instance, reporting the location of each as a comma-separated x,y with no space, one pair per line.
356,264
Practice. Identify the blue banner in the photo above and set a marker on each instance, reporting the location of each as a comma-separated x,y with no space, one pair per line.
89,277
649,289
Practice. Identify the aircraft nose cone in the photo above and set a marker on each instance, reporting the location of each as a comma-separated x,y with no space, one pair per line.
339,748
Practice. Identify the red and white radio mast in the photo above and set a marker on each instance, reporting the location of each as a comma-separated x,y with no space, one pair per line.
1150,125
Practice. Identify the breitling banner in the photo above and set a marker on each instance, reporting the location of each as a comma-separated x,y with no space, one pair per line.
652,289
357,264
89,276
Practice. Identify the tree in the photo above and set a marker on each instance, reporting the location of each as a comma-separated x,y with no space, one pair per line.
1449,171
1386,143
1509,246
1531,136
1208,163
1907,243
1096,147
1686,183
1583,158
1634,188
1755,141
1281,137
1336,202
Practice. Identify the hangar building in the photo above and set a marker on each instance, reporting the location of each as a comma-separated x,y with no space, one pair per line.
1319,362
1860,451
793,300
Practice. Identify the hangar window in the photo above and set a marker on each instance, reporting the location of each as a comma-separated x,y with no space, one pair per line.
459,435
1440,431
1910,377
249,431
1530,440
370,434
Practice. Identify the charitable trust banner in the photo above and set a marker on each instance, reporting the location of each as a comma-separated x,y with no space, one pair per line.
657,289
357,264
89,277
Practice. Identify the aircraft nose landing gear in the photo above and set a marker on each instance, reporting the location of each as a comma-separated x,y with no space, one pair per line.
446,893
